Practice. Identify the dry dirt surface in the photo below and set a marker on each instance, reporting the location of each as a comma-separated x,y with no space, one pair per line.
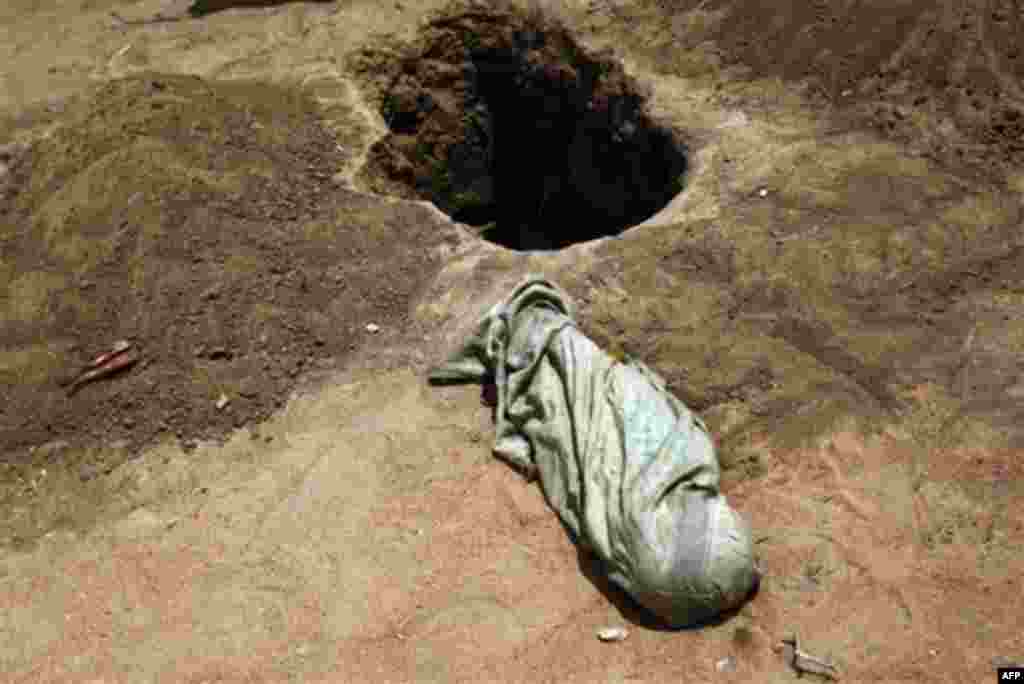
807,217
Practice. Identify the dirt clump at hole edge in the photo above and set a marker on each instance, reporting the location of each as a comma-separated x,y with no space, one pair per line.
506,123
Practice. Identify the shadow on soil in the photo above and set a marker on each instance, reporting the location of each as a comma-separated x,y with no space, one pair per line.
593,569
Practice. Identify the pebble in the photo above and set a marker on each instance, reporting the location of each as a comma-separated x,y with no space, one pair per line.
222,402
609,634
372,327
89,471
763,192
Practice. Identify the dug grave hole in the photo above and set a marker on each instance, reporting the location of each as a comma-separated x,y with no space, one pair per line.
507,124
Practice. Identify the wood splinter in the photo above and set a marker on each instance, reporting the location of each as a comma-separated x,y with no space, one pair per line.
804,662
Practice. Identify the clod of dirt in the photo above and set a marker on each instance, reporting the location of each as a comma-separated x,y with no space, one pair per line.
501,120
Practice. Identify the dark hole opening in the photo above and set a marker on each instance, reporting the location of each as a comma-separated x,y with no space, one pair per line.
530,140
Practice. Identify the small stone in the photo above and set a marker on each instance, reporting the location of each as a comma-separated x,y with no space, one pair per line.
763,192
55,104
372,327
222,402
609,634
88,472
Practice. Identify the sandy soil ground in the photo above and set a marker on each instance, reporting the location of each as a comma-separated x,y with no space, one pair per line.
838,291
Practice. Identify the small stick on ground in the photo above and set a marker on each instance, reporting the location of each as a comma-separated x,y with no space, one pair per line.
965,361
804,662
158,18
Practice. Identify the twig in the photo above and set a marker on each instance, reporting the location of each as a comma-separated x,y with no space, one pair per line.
803,662
793,236
965,360
121,356
156,19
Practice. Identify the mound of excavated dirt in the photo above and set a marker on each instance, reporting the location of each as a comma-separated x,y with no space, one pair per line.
944,81
199,221
504,122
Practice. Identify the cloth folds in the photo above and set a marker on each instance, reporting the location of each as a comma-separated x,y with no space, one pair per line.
630,471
